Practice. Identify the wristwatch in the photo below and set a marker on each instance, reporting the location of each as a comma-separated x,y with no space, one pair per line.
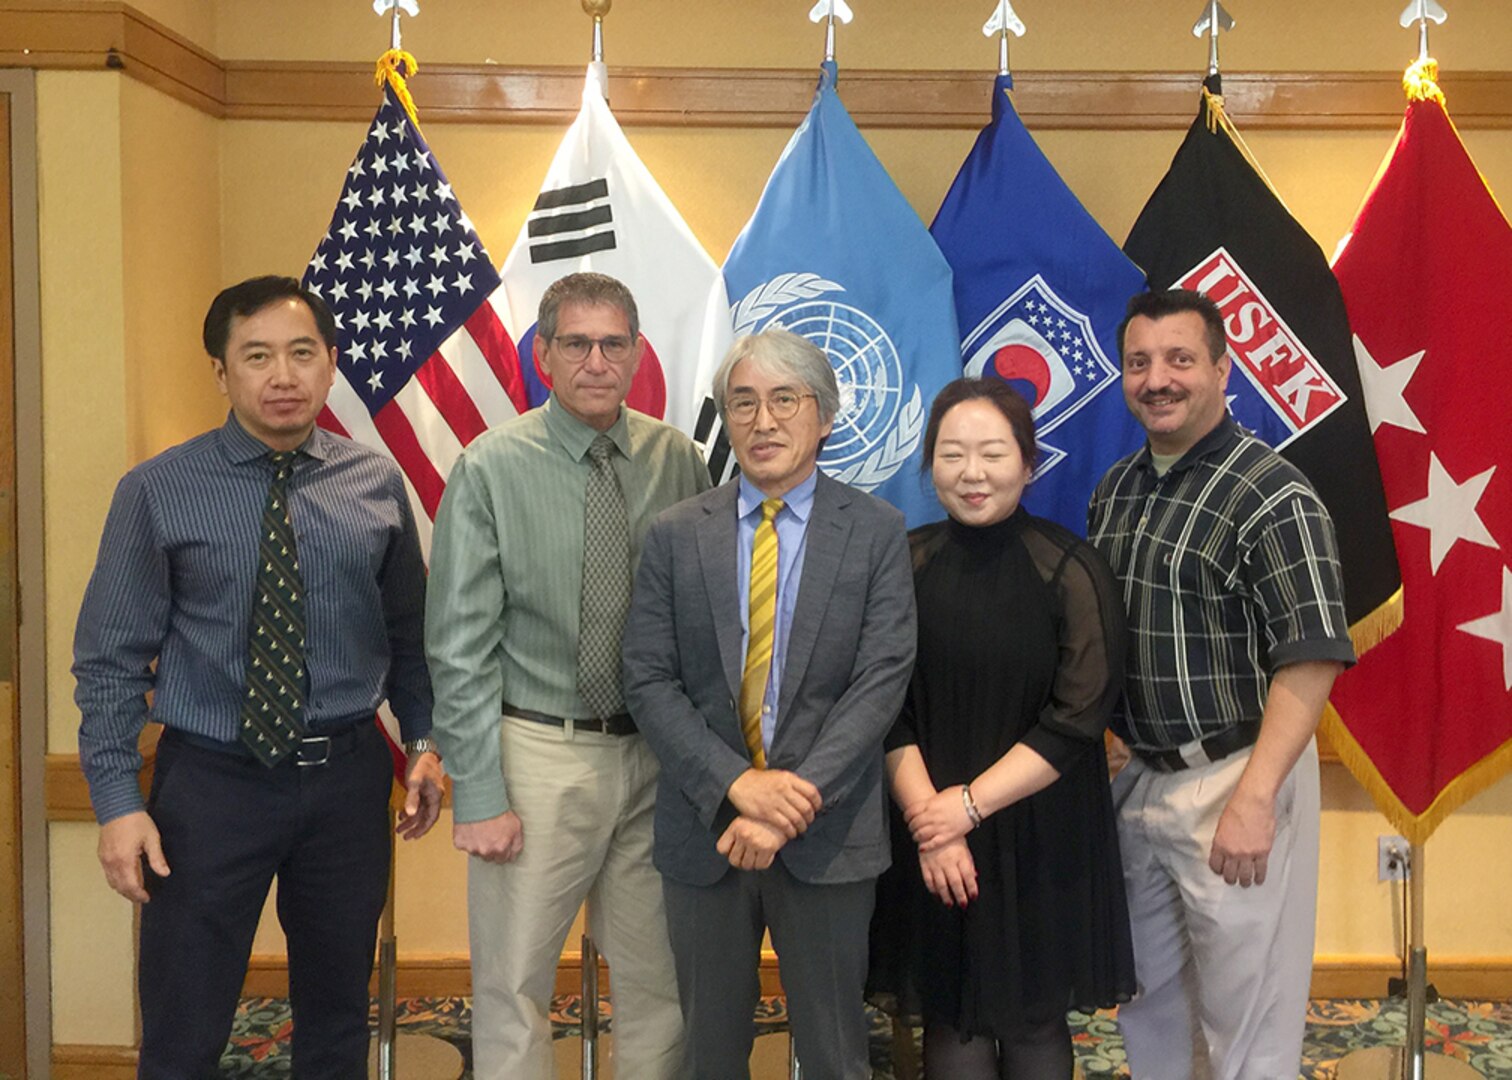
423,745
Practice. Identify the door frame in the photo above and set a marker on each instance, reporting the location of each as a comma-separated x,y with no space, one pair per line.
29,754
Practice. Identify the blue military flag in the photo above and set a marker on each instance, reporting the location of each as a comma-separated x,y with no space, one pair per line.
1039,292
835,253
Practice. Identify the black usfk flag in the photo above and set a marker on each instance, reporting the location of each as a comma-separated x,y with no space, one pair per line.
1215,225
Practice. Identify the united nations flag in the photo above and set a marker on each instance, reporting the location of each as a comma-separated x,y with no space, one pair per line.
835,253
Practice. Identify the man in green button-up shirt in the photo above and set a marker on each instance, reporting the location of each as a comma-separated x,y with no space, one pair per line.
553,795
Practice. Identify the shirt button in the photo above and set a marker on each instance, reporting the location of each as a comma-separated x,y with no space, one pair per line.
766,710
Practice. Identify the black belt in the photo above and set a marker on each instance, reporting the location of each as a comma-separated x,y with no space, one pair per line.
621,723
1230,740
317,748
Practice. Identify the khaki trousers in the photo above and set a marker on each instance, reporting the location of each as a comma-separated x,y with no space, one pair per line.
586,801
1223,970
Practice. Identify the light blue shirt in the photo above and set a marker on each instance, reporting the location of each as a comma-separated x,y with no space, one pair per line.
792,537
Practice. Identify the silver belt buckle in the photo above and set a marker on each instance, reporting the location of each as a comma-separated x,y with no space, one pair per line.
304,763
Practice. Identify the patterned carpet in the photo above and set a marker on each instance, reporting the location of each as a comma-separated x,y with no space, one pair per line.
1478,1033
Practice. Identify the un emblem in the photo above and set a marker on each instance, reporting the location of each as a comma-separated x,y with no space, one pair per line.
881,417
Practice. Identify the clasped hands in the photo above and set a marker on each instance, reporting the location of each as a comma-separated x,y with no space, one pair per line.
939,825
774,806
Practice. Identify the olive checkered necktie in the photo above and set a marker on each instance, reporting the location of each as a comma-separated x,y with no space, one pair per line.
606,584
272,713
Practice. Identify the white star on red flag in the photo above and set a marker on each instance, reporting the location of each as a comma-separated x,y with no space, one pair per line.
1448,511
1497,627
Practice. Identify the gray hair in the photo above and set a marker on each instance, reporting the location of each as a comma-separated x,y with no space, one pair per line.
783,354
589,289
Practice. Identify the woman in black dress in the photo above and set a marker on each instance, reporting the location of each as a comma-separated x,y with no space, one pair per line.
1005,905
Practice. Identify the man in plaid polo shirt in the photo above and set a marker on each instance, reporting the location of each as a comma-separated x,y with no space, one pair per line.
1231,577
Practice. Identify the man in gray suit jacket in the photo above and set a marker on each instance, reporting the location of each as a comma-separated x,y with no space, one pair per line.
769,643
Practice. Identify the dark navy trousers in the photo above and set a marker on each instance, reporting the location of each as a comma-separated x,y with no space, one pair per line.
231,826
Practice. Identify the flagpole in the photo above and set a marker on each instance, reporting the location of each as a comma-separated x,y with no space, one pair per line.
827,11
1417,972
1213,38
1001,22
1213,21
596,10
1411,1061
425,1056
589,989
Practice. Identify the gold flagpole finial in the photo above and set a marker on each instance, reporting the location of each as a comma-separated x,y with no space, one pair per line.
596,10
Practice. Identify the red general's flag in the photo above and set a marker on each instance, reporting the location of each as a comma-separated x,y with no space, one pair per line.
1425,719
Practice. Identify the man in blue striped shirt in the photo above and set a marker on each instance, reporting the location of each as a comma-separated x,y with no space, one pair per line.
172,610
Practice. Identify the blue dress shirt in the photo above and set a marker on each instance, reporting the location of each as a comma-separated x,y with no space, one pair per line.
173,585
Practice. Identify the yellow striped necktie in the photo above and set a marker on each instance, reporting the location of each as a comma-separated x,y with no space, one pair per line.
763,624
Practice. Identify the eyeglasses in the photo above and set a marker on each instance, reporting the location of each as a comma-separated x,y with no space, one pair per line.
575,348
783,405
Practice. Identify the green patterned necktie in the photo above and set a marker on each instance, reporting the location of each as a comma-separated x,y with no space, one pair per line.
272,714
606,584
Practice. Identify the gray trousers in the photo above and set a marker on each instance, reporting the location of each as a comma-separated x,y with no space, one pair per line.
1223,970
820,935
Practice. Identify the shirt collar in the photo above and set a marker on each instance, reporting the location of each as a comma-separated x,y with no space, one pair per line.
576,437
1218,439
239,445
800,500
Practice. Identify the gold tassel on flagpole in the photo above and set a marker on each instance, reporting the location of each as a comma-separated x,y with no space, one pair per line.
1421,81
1217,118
394,67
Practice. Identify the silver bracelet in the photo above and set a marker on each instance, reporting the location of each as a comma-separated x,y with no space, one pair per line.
971,807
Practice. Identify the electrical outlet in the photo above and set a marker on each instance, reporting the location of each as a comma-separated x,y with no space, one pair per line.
1391,858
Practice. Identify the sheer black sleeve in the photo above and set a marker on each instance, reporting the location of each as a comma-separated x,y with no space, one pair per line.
1092,639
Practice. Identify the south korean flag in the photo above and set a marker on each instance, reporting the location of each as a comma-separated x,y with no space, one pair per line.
600,209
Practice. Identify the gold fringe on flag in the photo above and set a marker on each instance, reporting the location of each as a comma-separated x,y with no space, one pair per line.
1416,828
394,67
1421,82
1377,626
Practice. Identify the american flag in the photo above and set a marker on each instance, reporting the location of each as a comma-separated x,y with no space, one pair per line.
426,365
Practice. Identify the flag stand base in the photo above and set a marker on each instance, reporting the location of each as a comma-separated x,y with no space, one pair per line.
392,1056
418,1057
1390,1063
1412,1061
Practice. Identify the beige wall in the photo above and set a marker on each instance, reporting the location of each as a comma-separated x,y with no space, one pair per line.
192,19
148,206
1116,35
170,189
130,231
